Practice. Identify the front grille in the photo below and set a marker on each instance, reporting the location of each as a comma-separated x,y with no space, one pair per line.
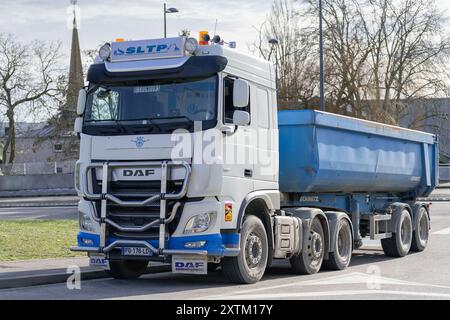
136,217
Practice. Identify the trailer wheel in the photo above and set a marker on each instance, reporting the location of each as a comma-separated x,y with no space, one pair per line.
310,259
127,269
341,256
400,242
421,231
249,266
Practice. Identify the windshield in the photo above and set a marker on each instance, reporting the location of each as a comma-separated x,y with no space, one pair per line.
151,106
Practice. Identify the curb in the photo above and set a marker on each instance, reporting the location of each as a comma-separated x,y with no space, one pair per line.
435,199
61,277
38,204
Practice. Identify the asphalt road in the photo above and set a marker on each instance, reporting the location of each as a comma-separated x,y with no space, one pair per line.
371,275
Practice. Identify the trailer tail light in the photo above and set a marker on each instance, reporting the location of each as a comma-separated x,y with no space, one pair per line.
228,212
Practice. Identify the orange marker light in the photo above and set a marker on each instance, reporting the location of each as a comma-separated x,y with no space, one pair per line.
120,40
228,212
201,38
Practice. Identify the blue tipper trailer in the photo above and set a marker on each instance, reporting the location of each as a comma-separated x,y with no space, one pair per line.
370,171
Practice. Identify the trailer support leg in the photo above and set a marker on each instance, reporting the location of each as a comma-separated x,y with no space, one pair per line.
356,216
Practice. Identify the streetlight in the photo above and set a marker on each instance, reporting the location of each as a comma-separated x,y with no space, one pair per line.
322,72
273,43
166,11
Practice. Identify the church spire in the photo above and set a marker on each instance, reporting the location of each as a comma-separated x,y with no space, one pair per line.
76,78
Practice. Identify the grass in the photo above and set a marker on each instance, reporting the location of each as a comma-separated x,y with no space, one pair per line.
37,239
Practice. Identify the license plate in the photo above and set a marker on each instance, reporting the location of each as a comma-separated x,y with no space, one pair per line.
190,264
137,251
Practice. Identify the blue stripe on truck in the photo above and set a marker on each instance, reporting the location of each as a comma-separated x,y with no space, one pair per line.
216,244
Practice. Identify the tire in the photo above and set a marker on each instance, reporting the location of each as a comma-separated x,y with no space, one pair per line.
341,256
311,258
400,243
249,266
127,269
421,231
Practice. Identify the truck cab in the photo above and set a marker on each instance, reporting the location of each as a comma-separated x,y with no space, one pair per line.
170,131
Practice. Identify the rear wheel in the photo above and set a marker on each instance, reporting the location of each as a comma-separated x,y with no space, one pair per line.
310,259
400,242
127,269
249,266
340,258
421,231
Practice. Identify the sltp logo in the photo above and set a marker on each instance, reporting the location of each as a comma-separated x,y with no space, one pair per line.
140,142
151,49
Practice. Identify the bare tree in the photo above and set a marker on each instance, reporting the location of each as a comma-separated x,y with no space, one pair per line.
30,79
383,58
293,55
384,55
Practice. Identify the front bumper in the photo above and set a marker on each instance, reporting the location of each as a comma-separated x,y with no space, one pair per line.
218,245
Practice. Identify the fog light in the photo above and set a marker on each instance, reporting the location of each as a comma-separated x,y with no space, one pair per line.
194,245
191,45
105,52
87,242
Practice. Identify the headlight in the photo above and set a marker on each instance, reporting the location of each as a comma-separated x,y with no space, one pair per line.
199,223
105,52
191,45
85,222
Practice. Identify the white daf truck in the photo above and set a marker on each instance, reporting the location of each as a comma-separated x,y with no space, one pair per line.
185,159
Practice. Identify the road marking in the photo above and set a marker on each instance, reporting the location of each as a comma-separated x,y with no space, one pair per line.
345,279
337,293
443,231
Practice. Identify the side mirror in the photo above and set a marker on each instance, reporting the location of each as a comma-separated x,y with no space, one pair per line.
78,128
241,93
241,118
81,106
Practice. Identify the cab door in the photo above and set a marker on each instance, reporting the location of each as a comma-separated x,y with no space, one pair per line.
266,149
239,142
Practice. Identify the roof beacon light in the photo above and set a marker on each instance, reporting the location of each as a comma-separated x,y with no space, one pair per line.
191,45
105,52
204,38
120,40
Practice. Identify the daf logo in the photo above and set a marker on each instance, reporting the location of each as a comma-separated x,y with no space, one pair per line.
138,173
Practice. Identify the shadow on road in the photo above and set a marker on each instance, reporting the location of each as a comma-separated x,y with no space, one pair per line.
167,283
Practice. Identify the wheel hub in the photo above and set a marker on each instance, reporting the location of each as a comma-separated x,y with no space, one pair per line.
316,246
254,250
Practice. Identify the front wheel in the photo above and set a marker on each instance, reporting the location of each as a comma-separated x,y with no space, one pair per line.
310,259
127,269
249,266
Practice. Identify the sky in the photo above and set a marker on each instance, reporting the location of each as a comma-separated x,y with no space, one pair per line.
106,20
102,21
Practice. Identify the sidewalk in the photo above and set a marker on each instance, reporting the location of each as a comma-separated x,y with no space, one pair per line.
41,272
38,193
48,201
